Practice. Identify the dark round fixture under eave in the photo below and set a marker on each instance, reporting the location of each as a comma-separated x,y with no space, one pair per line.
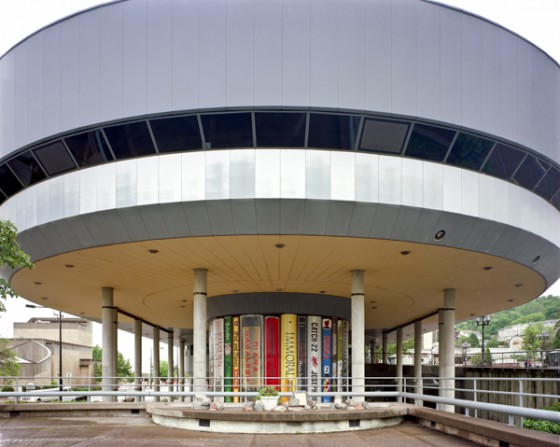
439,235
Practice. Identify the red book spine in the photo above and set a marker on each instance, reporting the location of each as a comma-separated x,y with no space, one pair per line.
272,351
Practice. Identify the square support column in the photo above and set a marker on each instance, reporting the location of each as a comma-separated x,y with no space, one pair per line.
358,332
199,331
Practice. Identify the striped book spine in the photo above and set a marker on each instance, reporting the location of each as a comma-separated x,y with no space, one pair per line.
235,355
334,358
218,354
228,356
272,351
252,351
344,354
313,353
302,351
327,356
288,348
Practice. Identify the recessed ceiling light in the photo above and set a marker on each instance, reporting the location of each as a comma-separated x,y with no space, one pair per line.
69,266
153,251
183,306
82,313
373,302
405,252
487,268
44,298
439,235
535,260
519,285
322,291
280,245
374,307
510,300
472,315
183,301
37,283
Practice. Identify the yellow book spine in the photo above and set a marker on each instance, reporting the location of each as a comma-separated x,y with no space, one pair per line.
288,350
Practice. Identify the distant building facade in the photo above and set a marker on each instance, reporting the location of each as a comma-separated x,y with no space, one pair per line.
36,345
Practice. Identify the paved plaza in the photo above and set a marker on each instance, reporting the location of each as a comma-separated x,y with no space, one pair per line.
122,432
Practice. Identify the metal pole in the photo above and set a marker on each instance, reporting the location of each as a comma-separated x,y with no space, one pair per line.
60,354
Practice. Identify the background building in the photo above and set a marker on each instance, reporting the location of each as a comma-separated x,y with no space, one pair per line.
37,346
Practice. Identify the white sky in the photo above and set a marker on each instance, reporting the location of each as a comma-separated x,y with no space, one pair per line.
536,20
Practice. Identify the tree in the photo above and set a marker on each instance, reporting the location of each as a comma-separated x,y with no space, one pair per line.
124,368
531,342
164,369
11,256
9,367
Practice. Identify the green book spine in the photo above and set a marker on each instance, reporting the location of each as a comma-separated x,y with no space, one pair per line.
228,361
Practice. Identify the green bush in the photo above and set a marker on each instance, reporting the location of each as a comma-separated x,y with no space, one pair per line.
7,388
546,426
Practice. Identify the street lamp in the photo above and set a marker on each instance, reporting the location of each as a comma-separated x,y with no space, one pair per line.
543,336
465,347
483,322
33,306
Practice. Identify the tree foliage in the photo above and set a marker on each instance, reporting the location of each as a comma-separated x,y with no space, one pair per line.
124,368
11,256
543,308
9,367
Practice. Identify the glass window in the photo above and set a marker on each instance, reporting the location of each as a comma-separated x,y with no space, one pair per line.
503,161
549,184
55,158
130,140
529,173
383,136
227,130
177,134
429,142
27,169
89,148
333,131
276,129
556,200
469,151
9,183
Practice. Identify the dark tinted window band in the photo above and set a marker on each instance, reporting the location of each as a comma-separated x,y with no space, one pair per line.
280,129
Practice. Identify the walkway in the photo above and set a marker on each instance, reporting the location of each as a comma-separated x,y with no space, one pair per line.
124,431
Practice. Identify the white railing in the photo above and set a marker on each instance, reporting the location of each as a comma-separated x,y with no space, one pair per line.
479,393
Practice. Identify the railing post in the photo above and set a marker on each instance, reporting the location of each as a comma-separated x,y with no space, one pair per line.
475,396
520,401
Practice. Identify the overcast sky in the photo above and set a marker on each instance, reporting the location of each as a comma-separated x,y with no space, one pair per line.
536,20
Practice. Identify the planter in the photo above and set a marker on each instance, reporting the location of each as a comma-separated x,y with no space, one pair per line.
269,402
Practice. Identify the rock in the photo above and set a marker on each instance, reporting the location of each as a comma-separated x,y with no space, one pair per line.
295,409
201,398
259,406
249,404
365,404
280,409
198,405
307,407
338,399
213,407
340,406
351,408
359,406
248,409
293,402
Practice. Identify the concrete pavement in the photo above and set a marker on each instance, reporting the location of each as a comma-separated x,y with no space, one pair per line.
139,431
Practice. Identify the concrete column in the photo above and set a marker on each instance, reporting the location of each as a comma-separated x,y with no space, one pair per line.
399,369
418,360
170,362
115,345
181,367
138,354
358,332
199,331
447,351
156,363
384,349
108,357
